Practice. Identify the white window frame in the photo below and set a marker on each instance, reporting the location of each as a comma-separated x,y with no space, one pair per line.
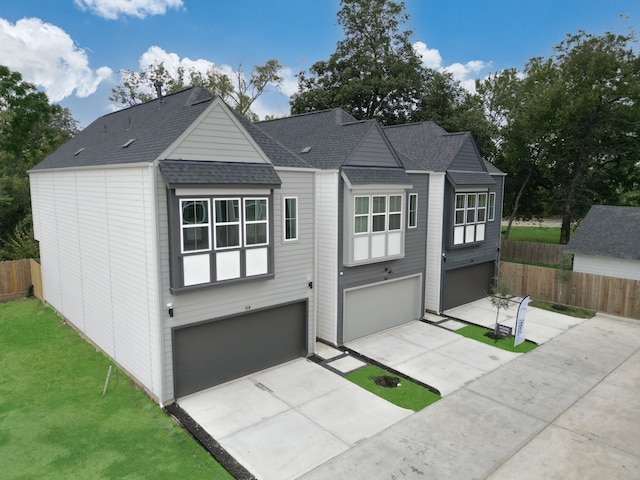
467,227
216,223
195,225
412,213
362,215
246,222
394,213
492,206
379,215
287,220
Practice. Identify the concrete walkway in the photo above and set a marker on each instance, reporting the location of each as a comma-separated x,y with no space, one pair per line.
568,409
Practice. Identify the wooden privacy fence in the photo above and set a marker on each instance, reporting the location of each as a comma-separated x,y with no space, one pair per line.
547,253
18,278
616,296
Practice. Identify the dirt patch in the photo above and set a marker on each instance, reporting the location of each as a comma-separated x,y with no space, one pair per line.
387,381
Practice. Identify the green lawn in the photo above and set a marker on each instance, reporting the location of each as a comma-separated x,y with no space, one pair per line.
564,309
408,395
506,343
56,424
534,234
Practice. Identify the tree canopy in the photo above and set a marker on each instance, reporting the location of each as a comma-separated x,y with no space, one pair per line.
569,132
235,89
30,129
374,72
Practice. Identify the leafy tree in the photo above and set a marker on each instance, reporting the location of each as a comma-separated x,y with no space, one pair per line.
237,90
444,101
374,72
570,130
30,129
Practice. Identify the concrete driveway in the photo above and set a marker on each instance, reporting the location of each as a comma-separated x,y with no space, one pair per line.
568,409
282,422
570,405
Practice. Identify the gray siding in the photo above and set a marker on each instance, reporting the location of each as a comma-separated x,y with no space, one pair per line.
373,152
216,136
468,158
413,262
293,269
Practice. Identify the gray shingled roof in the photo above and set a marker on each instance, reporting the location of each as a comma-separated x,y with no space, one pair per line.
279,155
461,179
414,141
376,175
153,126
189,173
608,231
327,142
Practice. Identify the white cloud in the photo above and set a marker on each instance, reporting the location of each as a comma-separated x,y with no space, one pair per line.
465,73
47,56
112,9
289,81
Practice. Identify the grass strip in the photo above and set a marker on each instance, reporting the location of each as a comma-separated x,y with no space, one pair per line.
407,395
563,309
55,423
478,333
533,234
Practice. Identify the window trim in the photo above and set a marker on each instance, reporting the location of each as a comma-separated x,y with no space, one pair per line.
491,207
412,212
196,225
246,222
394,213
286,219
216,223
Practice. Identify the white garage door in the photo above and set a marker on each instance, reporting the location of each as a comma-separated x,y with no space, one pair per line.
374,308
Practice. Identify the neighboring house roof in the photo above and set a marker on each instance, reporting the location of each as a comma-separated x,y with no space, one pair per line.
608,231
187,173
132,135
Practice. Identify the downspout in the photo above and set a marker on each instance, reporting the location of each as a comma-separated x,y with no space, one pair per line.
315,261
156,267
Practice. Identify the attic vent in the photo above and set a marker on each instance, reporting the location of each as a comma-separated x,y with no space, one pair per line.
78,152
305,150
129,142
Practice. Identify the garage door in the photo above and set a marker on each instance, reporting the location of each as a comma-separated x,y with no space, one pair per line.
377,307
215,352
467,284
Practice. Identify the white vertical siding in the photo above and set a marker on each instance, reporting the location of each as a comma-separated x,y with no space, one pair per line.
327,252
435,222
607,266
96,237
293,270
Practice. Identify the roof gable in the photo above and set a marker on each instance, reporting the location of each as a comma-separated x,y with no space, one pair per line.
216,135
608,231
373,150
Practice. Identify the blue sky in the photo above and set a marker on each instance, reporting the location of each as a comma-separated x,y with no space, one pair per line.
74,49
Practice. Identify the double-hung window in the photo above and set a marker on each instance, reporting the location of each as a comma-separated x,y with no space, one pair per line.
195,225
413,210
469,217
290,218
227,223
256,227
